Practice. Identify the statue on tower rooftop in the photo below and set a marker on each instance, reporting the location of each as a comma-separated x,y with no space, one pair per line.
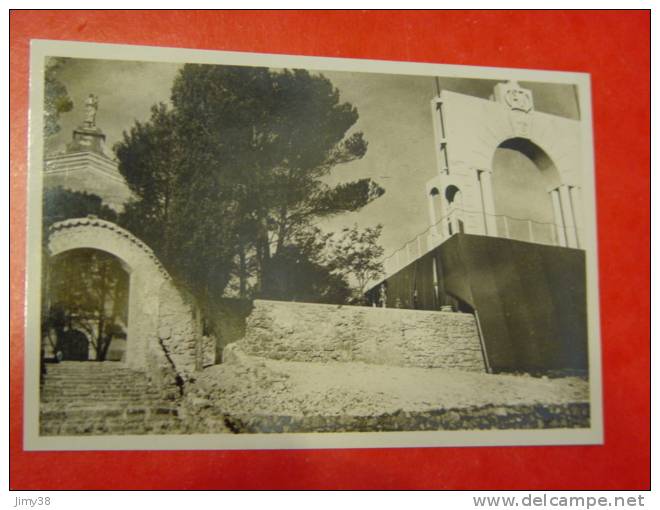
91,107
88,137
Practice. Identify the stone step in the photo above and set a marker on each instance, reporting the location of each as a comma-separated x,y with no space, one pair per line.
100,387
99,383
78,376
100,398
111,376
112,428
86,389
89,394
92,368
104,421
101,393
95,397
89,370
72,402
82,414
89,406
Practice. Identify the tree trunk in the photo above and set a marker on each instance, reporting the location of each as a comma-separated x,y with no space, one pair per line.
281,234
263,254
199,334
99,340
103,287
105,347
242,271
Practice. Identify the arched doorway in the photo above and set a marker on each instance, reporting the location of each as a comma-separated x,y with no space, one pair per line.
455,210
435,204
160,327
523,177
87,307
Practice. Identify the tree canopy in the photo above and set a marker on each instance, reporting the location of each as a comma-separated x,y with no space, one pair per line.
56,97
60,204
356,253
230,176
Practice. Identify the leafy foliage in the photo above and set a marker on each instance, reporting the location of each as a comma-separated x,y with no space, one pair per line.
150,159
304,271
60,204
56,96
231,176
294,275
357,253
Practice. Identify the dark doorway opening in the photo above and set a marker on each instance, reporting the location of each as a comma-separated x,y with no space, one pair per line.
85,307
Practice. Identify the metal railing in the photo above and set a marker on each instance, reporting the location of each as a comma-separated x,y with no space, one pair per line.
479,223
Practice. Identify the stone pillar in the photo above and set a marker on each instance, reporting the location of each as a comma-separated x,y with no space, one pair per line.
453,219
438,133
559,219
133,354
486,188
432,217
530,228
507,234
569,217
576,203
436,282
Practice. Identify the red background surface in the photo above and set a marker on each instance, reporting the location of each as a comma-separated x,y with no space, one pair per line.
613,46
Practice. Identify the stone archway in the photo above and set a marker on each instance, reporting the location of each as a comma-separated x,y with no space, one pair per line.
468,132
161,331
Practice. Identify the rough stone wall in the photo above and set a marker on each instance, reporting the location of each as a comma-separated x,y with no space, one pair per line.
319,333
176,328
227,318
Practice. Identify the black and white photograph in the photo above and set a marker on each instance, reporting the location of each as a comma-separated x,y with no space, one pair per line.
235,250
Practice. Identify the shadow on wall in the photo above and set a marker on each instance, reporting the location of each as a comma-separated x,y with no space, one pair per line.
227,320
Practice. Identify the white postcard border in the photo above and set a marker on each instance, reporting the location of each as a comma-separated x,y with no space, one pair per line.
39,49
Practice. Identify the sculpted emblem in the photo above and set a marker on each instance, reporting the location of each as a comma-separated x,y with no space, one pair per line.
518,99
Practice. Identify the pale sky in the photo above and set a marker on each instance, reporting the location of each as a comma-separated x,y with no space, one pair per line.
395,117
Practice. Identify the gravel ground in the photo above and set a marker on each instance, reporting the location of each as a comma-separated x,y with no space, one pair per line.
260,386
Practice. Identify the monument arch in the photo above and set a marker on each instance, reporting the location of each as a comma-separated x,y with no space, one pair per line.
469,132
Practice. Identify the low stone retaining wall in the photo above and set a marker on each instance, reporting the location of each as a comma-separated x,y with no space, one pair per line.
320,333
475,418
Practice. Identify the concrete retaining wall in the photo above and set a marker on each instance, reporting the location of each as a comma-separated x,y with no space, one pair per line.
318,333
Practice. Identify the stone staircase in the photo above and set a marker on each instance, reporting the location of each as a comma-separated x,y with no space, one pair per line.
104,398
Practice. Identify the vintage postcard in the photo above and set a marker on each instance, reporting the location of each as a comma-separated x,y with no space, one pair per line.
233,250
